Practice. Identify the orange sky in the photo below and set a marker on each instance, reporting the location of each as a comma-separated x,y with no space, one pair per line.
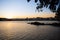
43,15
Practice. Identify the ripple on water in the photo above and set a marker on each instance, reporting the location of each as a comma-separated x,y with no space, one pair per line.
23,31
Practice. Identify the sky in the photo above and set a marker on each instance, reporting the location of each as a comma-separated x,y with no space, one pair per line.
22,9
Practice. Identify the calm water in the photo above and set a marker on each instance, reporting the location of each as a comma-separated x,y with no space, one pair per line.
20,30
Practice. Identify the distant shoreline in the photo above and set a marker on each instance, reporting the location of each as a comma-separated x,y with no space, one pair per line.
24,20
29,19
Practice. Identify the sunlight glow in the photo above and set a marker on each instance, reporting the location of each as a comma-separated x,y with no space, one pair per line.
8,17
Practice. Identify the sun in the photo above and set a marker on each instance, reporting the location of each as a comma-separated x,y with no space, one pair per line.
8,17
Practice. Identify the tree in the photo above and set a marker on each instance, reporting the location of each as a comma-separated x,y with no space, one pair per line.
53,5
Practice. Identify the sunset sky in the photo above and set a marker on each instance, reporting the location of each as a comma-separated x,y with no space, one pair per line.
22,9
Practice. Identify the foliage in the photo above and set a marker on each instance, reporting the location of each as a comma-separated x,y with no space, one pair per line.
53,5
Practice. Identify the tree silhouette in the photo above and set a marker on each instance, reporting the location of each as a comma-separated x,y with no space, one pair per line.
53,5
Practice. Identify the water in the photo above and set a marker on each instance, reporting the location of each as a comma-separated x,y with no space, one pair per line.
20,30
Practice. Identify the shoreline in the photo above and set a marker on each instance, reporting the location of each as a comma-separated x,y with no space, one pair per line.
38,23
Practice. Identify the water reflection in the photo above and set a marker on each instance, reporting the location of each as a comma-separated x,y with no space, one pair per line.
22,31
